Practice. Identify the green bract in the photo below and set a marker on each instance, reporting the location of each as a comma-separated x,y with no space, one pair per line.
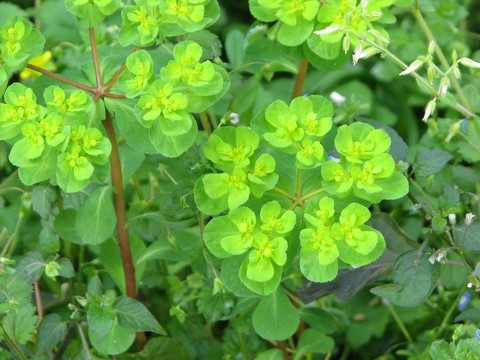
92,12
348,239
188,73
233,186
297,128
238,232
165,107
297,17
229,148
140,26
180,16
74,165
73,108
20,106
19,43
139,74
359,142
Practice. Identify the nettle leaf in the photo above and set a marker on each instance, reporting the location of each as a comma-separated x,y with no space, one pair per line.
133,314
51,330
312,341
117,341
275,317
429,162
100,320
414,278
96,219
20,325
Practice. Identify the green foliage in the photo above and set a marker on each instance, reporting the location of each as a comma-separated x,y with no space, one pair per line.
239,188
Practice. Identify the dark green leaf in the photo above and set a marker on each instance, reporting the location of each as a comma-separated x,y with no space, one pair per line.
50,332
429,162
100,320
312,341
132,314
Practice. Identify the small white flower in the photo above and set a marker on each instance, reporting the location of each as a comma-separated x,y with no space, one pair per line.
444,85
363,54
234,118
337,98
332,29
413,67
452,218
431,259
468,219
429,109
469,62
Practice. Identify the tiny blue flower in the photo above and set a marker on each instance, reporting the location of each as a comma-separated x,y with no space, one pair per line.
464,300
464,126
478,334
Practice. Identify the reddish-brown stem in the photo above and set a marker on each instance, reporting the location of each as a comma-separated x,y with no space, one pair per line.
96,62
38,298
119,205
281,346
62,79
302,73
115,77
76,84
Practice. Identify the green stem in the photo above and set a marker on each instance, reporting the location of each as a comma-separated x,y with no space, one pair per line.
299,183
81,255
10,177
302,73
138,188
84,342
242,345
461,109
201,224
12,345
14,238
38,24
205,122
402,327
423,24
284,193
312,194
470,142
448,315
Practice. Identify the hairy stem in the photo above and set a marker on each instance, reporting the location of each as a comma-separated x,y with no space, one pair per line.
119,205
38,298
96,62
302,73
402,327
461,109
423,24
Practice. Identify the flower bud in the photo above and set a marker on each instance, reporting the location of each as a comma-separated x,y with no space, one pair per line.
469,62
444,85
453,130
413,67
378,36
429,109
431,47
452,218
346,43
454,56
468,219
329,30
431,73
